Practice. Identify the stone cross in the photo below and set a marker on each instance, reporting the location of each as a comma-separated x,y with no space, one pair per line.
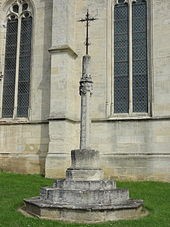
87,20
84,196
86,87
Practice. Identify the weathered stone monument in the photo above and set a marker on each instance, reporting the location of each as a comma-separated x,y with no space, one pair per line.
84,196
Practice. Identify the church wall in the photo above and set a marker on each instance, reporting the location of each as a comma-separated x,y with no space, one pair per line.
135,147
64,105
161,58
23,147
41,62
97,51
24,142
132,147
63,138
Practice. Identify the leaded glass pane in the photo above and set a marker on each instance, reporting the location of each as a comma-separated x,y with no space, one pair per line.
140,68
121,58
24,67
10,69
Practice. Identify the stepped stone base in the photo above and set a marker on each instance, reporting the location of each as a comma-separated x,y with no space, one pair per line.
84,196
85,185
84,202
130,209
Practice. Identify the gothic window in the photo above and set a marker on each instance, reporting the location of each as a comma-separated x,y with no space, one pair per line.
16,83
130,57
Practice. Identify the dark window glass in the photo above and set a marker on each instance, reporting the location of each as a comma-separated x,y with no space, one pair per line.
121,58
140,68
10,68
24,67
24,6
17,56
16,8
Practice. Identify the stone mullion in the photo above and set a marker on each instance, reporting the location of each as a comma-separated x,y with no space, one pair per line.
3,67
109,52
130,60
17,66
149,71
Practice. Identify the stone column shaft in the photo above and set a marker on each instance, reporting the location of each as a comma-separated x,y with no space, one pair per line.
85,92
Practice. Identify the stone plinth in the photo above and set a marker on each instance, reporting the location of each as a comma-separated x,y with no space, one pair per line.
84,159
85,166
84,174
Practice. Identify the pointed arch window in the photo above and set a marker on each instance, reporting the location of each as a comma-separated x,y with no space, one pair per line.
16,85
130,57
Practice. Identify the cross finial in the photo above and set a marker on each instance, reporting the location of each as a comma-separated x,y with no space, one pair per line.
87,19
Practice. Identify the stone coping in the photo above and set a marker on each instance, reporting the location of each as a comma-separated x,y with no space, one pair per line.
63,48
129,204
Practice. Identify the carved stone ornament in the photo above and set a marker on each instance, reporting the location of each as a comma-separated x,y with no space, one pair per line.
86,85
19,8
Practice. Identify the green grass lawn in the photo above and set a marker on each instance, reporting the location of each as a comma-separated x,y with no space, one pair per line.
14,188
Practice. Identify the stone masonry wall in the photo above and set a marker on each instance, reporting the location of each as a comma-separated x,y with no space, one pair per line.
134,149
24,142
23,147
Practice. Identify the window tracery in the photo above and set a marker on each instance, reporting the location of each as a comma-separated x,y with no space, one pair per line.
16,83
